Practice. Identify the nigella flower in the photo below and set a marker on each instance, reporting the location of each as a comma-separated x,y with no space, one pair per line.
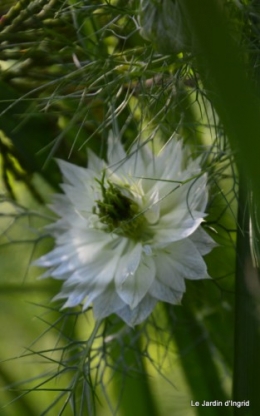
129,231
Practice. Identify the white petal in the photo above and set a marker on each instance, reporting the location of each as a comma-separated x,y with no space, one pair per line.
165,293
74,299
82,200
190,196
152,208
129,262
176,226
89,281
75,175
187,261
95,164
107,303
138,160
166,270
133,285
140,313
99,284
69,258
115,153
198,195
61,204
65,267
202,241
49,272
56,256
98,273
170,159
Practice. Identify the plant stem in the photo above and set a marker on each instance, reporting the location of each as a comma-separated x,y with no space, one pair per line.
226,76
247,334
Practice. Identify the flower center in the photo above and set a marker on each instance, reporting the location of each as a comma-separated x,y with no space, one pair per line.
119,213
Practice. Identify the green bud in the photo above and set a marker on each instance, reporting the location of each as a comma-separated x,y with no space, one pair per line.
163,24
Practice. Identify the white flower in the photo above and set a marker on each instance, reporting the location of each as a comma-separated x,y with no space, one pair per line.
129,230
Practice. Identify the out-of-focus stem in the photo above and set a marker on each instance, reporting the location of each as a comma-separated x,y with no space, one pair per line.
247,324
227,77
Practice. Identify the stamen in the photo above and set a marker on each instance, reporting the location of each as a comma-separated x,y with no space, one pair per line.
120,213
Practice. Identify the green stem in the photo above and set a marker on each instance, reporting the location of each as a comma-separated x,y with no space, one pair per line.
227,78
247,335
198,362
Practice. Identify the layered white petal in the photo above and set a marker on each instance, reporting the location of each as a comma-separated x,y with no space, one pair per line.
56,256
134,277
140,313
95,164
107,303
187,261
78,199
203,241
176,226
165,293
184,193
116,155
75,175
166,272
134,287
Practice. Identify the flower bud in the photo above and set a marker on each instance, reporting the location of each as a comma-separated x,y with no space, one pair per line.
162,23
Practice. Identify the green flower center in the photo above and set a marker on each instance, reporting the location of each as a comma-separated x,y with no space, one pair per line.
119,213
